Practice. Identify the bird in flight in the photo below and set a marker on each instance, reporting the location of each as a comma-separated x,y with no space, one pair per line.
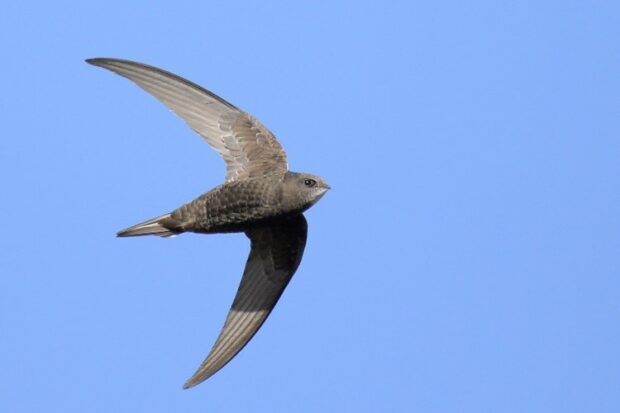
259,197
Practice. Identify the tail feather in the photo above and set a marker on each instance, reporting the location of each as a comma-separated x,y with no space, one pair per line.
155,226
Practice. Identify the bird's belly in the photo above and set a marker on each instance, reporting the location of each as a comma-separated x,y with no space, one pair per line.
239,218
239,226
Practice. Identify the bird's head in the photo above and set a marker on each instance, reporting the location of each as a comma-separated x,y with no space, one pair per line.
302,190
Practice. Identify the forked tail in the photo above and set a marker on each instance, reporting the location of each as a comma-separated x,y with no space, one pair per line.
160,226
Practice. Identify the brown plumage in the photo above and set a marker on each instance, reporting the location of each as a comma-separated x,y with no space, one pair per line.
259,197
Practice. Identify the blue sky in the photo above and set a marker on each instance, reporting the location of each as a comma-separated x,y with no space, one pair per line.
466,259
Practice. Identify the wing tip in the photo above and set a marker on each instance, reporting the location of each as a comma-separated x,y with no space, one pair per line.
95,61
107,61
197,378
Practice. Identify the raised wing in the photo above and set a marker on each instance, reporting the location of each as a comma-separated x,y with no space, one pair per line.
275,255
248,148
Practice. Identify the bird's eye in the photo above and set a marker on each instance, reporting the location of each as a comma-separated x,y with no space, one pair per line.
309,182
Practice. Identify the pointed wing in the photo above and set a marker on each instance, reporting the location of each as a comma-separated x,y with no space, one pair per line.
275,255
248,148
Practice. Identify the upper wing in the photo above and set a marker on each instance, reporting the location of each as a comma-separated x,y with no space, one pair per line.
275,255
248,147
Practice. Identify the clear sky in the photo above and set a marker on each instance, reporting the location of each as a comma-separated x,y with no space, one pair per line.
467,258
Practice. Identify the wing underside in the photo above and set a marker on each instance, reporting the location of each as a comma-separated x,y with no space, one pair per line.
275,254
248,148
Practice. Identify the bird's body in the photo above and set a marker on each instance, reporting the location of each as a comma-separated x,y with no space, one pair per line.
259,197
234,207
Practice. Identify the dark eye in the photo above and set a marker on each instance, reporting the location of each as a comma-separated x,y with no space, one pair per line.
309,182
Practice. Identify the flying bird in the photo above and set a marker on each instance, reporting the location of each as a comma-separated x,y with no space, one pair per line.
259,197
